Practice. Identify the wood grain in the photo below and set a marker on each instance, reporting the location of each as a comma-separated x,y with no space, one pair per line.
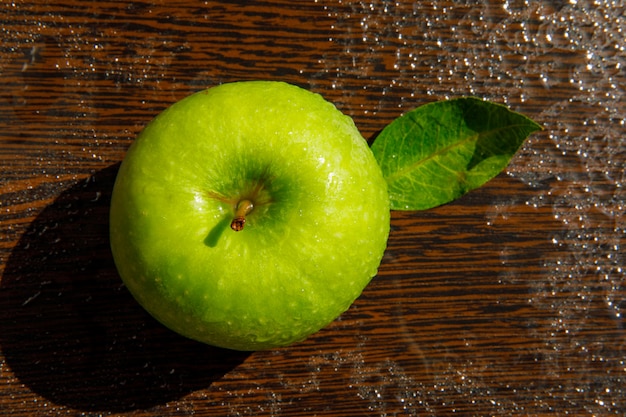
509,301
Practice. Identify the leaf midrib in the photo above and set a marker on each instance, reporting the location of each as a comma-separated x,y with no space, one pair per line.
475,137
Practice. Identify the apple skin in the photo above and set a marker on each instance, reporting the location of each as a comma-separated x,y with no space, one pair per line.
312,242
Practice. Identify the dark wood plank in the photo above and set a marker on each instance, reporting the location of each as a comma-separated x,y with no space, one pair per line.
507,301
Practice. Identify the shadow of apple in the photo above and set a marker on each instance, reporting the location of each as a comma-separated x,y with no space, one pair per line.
72,333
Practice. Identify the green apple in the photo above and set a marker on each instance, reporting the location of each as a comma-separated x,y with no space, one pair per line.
249,215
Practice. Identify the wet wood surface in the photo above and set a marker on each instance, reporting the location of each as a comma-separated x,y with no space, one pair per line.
509,301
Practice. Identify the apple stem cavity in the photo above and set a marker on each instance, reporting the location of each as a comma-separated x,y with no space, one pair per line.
244,207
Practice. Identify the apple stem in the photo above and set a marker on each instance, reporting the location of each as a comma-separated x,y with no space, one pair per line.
244,207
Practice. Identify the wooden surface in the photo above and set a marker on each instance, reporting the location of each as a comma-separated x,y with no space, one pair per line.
509,301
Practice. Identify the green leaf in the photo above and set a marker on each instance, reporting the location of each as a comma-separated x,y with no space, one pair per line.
437,152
